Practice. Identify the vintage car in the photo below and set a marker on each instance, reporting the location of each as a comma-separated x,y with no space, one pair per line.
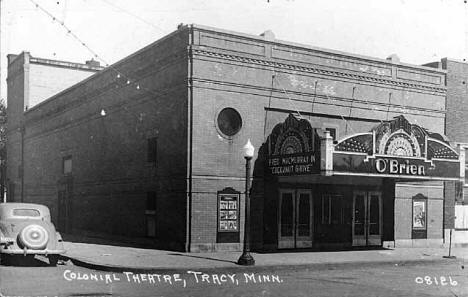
26,230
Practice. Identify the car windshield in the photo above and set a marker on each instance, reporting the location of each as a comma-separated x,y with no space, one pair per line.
25,212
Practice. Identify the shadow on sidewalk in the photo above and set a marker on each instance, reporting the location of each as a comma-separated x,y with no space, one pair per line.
142,243
201,257
25,261
324,249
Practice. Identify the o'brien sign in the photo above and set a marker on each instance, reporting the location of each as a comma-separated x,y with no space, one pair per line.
388,166
397,149
399,166
292,164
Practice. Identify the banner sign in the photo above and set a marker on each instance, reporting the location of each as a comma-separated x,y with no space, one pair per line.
293,164
395,167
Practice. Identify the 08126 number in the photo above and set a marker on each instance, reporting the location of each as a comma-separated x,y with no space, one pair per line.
436,281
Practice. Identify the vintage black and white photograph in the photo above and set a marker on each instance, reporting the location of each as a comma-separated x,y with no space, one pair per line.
246,148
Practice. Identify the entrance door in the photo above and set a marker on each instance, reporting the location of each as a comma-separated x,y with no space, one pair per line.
295,219
64,213
367,218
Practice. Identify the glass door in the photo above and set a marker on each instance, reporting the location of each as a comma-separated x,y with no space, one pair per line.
303,219
374,218
286,219
295,219
367,218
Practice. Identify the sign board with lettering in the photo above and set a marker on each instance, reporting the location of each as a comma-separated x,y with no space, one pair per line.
397,149
293,148
228,215
386,166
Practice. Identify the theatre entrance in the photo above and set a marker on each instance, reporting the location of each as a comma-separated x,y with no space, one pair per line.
367,218
295,218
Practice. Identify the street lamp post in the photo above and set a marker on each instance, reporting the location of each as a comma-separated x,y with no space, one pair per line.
246,258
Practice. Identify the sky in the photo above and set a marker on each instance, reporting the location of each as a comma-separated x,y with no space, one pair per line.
418,31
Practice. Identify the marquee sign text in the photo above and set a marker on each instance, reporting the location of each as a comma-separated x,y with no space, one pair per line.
293,164
395,166
401,167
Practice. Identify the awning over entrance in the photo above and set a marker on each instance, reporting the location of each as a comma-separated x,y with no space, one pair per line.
396,149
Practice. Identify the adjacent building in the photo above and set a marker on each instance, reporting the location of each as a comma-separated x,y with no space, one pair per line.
456,128
350,150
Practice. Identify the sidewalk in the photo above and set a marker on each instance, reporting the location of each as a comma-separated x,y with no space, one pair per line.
117,259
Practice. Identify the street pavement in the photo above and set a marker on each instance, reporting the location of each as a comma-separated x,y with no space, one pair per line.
110,269
385,280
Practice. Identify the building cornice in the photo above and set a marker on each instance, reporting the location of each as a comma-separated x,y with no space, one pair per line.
318,70
309,48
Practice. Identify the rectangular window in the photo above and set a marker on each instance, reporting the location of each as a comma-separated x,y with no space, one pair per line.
23,212
332,211
461,217
466,171
459,189
464,194
67,165
152,149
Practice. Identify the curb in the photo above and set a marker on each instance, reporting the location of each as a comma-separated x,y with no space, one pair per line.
258,267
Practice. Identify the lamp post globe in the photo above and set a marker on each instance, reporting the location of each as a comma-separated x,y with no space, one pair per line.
249,150
246,258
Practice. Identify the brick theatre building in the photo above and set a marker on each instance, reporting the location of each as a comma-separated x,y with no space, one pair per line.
350,150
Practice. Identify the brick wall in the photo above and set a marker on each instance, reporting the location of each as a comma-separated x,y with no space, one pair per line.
111,174
31,81
265,80
404,192
457,98
16,82
48,80
456,124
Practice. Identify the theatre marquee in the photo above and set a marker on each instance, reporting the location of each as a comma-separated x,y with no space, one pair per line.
397,149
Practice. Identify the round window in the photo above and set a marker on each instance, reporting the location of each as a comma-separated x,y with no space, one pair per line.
229,121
